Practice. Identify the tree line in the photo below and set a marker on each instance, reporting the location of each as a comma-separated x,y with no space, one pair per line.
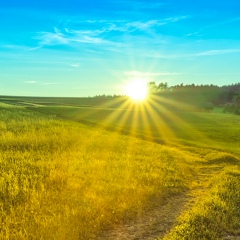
227,96
204,96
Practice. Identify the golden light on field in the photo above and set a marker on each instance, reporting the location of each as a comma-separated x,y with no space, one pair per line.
137,90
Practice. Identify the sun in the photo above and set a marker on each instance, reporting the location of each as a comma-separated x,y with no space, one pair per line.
137,90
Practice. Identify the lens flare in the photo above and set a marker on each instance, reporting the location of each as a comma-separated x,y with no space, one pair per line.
137,90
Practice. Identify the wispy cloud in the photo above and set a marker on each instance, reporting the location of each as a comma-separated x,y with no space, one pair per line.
216,74
182,55
71,37
48,38
13,47
126,26
100,32
30,82
231,20
140,5
149,74
201,31
217,52
42,83
50,83
75,65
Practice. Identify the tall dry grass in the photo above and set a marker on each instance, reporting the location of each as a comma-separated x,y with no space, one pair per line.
63,180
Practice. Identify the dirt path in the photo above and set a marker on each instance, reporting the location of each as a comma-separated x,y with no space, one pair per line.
157,221
152,224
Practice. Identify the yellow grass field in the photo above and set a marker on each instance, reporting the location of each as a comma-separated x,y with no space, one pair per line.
61,179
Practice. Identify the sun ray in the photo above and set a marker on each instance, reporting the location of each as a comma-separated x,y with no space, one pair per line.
173,120
116,117
158,127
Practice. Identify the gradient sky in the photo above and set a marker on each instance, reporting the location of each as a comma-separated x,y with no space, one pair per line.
85,48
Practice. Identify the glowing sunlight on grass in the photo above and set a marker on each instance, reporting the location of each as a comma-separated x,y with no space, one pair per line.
61,179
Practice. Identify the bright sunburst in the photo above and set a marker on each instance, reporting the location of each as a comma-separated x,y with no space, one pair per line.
137,90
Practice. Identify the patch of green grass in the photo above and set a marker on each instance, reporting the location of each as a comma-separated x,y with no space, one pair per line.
214,215
203,130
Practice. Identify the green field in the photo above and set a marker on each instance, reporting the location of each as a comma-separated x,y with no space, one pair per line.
208,130
79,172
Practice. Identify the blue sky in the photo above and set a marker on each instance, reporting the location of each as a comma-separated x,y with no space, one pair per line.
86,48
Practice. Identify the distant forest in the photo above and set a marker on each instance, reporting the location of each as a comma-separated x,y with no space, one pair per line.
181,97
198,96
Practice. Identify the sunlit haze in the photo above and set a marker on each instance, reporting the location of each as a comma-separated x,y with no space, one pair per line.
137,90
88,48
118,117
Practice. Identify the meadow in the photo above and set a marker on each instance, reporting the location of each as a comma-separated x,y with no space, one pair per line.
76,172
178,128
